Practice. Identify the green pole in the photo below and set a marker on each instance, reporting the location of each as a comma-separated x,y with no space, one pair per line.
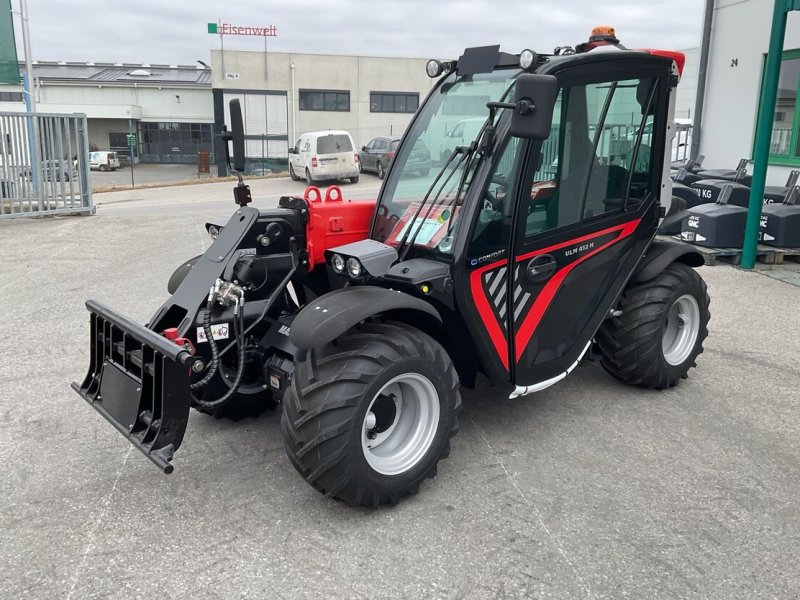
766,112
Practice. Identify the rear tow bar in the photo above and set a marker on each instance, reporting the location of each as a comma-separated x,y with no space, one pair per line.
139,381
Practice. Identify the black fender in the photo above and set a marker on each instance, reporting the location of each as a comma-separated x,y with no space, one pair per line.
662,253
180,274
329,316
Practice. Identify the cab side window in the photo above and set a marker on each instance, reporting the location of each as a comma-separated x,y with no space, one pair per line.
598,157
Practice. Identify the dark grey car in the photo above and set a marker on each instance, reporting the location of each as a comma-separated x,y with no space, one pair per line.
379,152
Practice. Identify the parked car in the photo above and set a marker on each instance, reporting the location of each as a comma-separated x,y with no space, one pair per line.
321,155
104,160
60,170
379,152
54,169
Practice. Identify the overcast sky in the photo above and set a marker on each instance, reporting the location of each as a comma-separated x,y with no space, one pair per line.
175,31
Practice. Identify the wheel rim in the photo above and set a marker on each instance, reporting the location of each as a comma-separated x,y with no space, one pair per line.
400,424
682,328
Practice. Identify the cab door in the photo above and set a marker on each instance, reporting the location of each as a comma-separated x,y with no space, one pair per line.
586,211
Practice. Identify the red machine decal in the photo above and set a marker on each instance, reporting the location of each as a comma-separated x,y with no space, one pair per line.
548,292
488,316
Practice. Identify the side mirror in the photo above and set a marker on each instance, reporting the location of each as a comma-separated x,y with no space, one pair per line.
534,100
237,135
363,148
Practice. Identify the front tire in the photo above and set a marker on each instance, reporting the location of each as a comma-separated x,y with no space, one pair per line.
292,174
659,334
369,416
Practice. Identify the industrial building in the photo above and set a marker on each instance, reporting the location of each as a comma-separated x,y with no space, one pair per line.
737,48
284,95
175,110
168,107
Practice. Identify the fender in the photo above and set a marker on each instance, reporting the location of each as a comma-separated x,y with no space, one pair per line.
329,316
662,253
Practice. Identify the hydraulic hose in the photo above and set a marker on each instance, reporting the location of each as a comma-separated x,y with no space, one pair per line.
238,328
212,367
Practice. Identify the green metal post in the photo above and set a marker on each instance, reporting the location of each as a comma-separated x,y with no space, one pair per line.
766,113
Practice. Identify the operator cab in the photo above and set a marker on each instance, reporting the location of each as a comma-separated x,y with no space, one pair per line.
569,161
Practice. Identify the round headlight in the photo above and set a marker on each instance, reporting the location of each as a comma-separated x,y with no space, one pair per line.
434,68
526,58
353,268
213,232
337,262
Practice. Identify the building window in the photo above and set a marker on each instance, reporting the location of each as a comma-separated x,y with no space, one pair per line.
465,106
328,100
11,97
784,145
167,142
393,102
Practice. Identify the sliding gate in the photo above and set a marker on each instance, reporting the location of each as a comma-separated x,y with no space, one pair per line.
54,180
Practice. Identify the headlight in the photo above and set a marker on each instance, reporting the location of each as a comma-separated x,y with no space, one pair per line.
353,268
526,58
434,68
337,262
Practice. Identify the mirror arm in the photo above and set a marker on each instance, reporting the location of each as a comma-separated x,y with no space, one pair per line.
523,107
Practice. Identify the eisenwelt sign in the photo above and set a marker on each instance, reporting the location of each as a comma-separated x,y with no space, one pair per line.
228,29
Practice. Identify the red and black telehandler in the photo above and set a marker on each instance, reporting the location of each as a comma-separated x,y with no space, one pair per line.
526,251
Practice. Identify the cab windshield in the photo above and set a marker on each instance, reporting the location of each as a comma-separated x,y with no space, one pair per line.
453,116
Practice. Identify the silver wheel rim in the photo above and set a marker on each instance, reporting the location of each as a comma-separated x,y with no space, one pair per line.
680,333
400,424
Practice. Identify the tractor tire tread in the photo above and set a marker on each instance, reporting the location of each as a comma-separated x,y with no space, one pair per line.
630,343
319,407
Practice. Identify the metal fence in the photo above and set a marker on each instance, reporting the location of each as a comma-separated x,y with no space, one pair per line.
55,182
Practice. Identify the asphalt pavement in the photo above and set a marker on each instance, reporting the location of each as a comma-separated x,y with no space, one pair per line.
589,489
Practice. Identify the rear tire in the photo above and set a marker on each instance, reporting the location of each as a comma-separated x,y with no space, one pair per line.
369,416
659,334
354,179
309,181
379,170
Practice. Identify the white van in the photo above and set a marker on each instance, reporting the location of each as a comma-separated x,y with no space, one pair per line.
321,155
463,133
104,160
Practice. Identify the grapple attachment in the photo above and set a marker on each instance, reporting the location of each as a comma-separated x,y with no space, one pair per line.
139,381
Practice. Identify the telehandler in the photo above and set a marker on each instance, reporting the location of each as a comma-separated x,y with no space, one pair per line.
529,250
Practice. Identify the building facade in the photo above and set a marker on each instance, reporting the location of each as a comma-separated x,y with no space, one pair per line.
739,43
168,108
176,111
283,95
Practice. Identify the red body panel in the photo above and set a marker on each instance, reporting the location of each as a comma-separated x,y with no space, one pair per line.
678,57
333,221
